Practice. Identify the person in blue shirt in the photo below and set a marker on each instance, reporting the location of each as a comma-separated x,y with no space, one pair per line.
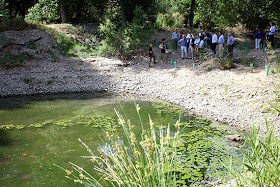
258,38
184,45
175,38
230,43
221,41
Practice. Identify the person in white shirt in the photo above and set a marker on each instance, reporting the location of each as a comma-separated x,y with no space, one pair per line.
271,33
201,34
196,43
201,44
221,42
214,42
190,35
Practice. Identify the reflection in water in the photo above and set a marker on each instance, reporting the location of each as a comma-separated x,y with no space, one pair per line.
4,137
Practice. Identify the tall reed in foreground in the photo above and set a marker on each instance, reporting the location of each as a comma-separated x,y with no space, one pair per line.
261,165
129,162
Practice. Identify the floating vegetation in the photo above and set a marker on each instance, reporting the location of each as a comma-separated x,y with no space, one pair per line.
163,107
106,123
199,153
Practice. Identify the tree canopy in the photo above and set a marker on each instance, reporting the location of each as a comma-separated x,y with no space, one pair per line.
165,13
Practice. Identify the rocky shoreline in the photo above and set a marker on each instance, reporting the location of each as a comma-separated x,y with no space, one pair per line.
236,97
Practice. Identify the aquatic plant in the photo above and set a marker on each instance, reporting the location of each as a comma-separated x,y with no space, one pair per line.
158,158
98,121
150,161
261,160
163,107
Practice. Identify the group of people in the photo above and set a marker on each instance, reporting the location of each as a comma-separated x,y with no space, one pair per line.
268,40
188,43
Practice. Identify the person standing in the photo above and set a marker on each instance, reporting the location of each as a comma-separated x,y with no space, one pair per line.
221,42
190,35
196,43
258,38
183,43
214,42
162,49
201,34
191,46
175,38
230,43
271,34
201,44
181,35
151,54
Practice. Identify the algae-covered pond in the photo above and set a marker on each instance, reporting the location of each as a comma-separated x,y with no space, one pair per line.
39,131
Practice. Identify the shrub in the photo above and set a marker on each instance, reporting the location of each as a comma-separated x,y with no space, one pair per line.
44,10
123,40
170,20
226,63
3,10
9,60
17,23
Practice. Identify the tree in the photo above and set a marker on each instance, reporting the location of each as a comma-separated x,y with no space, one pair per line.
18,7
64,11
191,15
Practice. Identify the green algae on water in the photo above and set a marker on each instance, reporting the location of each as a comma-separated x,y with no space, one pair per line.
98,121
163,107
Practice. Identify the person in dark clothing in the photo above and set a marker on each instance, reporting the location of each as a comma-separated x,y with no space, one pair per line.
151,54
162,49
258,38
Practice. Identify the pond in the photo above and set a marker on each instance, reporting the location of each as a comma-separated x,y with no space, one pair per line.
39,131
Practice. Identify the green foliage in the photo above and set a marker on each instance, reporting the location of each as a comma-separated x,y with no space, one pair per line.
170,20
247,60
123,39
109,32
129,162
163,107
16,23
3,9
10,60
28,80
44,10
135,32
226,63
261,161
186,158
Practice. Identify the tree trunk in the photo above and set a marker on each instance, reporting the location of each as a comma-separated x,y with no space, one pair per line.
64,16
191,15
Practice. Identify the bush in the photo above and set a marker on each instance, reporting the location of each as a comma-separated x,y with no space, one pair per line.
9,60
44,10
168,20
123,40
226,63
3,10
